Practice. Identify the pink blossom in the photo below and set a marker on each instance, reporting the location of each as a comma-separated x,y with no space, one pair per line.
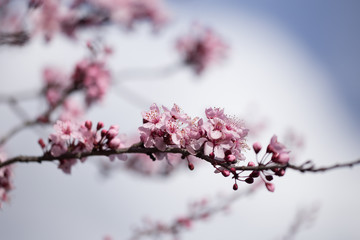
66,130
47,18
280,154
225,135
92,76
201,48
66,164
70,137
55,83
220,136
71,110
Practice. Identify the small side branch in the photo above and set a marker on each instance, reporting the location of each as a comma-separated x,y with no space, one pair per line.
15,38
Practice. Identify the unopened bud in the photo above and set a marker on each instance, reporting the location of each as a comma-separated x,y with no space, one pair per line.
230,158
191,166
257,147
225,173
270,187
255,174
283,158
249,180
103,133
235,187
41,143
212,155
88,125
111,133
114,143
251,164
280,172
269,178
99,126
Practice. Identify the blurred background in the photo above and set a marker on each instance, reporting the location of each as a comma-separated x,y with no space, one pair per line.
291,65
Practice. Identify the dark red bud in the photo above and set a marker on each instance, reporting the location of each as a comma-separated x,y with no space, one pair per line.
227,152
269,178
41,143
280,172
257,147
99,126
212,155
191,166
255,174
249,180
269,149
88,124
235,187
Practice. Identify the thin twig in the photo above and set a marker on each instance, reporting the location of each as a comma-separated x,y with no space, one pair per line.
20,96
149,73
45,115
194,215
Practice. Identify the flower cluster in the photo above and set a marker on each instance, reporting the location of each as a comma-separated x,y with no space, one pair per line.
55,82
219,137
128,12
93,77
70,137
5,179
200,48
52,16
89,75
278,154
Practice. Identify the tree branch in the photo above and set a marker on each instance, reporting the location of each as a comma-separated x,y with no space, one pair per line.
15,38
139,148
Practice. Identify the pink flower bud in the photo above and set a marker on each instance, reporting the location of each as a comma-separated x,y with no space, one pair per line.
257,147
225,173
270,149
230,158
270,187
88,125
115,127
212,155
283,158
99,126
251,164
103,133
235,187
114,143
111,133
